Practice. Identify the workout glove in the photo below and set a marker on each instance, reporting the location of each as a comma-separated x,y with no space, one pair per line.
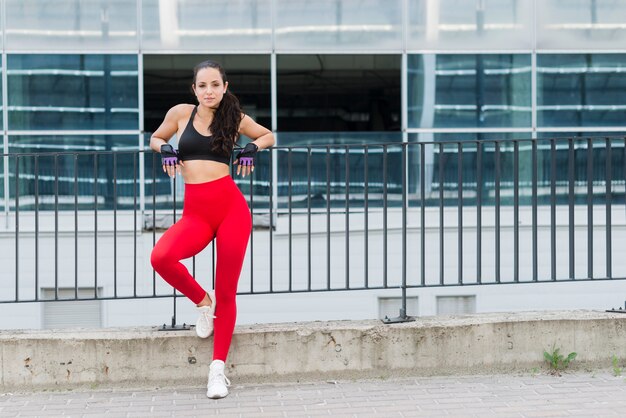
247,154
169,156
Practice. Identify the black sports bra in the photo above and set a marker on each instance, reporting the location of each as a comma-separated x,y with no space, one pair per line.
194,146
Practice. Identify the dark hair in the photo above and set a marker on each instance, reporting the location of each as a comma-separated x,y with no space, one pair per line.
227,117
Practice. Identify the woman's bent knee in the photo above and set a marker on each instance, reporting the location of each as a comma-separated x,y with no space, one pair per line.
158,260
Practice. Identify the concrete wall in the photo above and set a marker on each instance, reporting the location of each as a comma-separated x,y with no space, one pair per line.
133,273
483,343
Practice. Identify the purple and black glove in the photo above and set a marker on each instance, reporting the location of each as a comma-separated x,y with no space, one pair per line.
169,156
246,156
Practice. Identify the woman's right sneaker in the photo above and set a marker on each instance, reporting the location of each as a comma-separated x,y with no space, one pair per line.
204,324
217,386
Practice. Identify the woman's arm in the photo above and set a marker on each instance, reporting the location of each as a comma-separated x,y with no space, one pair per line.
168,128
260,135
160,137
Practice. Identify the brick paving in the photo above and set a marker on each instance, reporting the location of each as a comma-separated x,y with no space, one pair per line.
570,395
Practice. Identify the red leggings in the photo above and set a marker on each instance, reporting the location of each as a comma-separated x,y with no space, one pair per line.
216,209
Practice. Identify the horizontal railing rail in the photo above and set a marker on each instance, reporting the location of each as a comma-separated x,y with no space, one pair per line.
80,225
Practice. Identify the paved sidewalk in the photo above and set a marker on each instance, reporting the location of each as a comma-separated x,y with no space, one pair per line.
572,395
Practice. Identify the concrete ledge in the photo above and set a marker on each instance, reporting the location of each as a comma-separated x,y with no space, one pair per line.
145,357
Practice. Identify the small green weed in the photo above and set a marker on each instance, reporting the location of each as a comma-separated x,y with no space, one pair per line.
617,371
557,361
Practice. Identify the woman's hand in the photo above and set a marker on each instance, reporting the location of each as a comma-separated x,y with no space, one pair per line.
245,159
169,160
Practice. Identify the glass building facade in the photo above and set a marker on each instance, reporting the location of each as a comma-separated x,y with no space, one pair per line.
99,75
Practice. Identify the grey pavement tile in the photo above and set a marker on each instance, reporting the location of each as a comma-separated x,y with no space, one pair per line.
188,401
152,403
282,409
310,413
502,415
353,410
428,414
388,404
531,414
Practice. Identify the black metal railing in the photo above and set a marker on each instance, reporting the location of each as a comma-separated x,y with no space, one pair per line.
327,218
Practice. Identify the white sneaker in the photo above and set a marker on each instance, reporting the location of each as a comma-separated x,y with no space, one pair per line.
217,386
204,324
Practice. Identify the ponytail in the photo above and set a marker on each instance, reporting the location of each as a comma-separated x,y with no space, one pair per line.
225,124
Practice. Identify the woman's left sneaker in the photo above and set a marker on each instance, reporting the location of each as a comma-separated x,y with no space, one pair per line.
204,324
217,386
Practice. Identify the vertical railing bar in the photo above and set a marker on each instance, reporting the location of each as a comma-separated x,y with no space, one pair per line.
553,208
308,201
271,210
441,221
422,148
289,174
366,215
56,230
327,218
516,211
154,186
251,234
404,227
75,226
213,264
589,208
347,206
479,210
608,203
497,227
115,224
95,223
251,240
17,228
135,181
174,293
459,211
385,180
36,227
570,201
535,248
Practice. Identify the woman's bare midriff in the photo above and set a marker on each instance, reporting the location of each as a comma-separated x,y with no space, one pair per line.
203,171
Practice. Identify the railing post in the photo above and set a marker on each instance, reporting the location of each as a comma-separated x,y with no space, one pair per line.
402,317
173,326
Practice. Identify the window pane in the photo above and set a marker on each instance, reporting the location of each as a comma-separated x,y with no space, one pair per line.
581,89
581,24
298,151
472,90
2,150
70,165
218,25
71,24
338,92
338,25
586,158
478,166
470,24
168,79
570,134
1,101
72,92
446,153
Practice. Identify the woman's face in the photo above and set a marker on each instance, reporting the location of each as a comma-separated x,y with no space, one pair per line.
209,87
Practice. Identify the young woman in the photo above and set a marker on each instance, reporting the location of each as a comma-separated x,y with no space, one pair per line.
213,205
